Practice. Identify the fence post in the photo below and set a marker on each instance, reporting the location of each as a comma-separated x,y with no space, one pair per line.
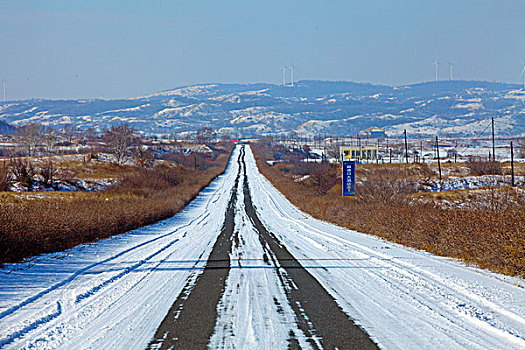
406,147
439,161
512,163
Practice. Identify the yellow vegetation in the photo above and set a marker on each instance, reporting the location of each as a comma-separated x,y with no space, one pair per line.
490,232
33,223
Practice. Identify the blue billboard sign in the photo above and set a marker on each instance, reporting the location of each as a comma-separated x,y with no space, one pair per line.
348,178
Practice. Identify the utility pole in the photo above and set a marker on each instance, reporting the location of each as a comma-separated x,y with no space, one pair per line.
493,145
406,147
307,159
421,152
512,163
439,162
324,149
377,153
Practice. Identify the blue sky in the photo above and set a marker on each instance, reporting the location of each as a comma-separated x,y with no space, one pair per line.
110,49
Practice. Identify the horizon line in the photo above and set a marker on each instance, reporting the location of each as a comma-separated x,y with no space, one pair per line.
256,83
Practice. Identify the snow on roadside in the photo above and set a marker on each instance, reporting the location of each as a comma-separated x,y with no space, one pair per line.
468,182
113,293
402,297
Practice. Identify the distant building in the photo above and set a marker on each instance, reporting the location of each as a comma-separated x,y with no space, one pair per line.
373,132
358,152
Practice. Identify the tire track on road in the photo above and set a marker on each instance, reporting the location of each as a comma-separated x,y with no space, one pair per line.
318,315
190,322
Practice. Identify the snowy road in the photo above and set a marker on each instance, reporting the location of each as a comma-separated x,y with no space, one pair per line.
241,268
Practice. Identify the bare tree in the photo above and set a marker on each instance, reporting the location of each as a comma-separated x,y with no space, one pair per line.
23,171
30,136
49,138
48,171
144,156
332,151
120,138
522,149
90,135
205,135
69,133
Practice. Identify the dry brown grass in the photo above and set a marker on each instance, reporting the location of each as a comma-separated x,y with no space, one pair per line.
479,166
489,236
33,223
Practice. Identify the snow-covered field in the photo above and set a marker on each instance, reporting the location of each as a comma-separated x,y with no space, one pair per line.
115,293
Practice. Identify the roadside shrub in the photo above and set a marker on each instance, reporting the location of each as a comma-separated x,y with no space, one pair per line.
157,178
193,160
386,186
48,171
23,171
478,166
324,178
521,152
47,224
489,230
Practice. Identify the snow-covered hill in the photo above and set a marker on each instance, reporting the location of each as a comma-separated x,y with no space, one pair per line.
447,108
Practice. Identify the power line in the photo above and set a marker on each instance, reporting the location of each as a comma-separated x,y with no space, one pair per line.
477,138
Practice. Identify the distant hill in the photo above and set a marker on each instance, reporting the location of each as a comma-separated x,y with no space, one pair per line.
6,129
448,108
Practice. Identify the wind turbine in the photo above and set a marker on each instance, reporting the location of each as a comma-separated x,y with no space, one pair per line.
523,74
284,74
292,68
451,71
436,63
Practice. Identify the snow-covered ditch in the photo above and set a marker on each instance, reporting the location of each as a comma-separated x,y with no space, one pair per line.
468,182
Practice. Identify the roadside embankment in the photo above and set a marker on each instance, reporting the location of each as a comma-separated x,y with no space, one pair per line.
488,231
34,223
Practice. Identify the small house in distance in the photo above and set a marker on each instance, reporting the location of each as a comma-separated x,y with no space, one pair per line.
358,152
373,132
